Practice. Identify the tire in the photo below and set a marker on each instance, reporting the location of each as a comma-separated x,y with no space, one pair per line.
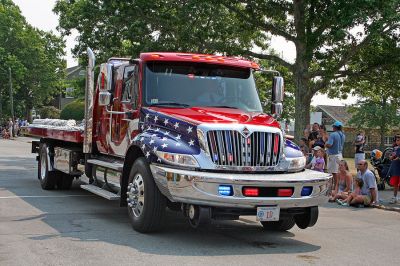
64,181
308,218
146,204
281,225
47,178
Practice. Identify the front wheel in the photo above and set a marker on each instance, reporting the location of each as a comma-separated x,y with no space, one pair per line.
146,204
281,225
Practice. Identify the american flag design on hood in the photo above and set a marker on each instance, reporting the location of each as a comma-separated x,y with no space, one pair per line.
160,132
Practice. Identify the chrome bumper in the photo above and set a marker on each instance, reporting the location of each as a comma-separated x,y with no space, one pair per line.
201,188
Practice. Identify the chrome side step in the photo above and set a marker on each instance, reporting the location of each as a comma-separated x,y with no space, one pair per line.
110,165
101,192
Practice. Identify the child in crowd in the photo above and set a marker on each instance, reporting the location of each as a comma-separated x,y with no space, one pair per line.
346,202
394,171
318,162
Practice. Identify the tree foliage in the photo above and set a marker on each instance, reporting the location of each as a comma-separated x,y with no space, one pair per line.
74,110
120,28
378,89
49,112
329,36
35,59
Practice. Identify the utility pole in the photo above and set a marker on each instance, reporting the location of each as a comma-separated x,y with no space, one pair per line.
11,100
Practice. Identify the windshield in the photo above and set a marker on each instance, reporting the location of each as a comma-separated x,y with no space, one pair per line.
184,84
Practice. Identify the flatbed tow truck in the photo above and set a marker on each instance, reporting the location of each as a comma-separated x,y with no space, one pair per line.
186,132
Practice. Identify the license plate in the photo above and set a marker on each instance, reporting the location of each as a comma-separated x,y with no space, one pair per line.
268,213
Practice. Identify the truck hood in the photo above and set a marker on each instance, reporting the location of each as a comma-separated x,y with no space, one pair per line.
199,115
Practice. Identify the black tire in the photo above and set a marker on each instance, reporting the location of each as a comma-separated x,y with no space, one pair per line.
282,225
308,218
47,178
148,214
64,181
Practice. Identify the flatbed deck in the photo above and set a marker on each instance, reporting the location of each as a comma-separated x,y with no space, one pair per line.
56,129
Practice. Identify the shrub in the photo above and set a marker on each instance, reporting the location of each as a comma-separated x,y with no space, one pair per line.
49,112
74,110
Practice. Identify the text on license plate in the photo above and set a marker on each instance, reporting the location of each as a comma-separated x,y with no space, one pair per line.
268,213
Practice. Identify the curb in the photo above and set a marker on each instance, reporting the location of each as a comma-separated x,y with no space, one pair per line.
386,208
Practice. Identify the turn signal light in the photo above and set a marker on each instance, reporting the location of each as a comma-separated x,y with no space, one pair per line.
251,191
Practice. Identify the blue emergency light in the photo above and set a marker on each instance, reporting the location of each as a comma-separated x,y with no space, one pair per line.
225,190
306,191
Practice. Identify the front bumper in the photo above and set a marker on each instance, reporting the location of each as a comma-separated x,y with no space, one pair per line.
201,188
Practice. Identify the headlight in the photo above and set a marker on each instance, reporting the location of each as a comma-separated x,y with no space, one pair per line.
178,159
291,164
296,164
202,141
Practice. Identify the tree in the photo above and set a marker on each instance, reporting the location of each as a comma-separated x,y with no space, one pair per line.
372,113
35,58
328,36
379,90
121,28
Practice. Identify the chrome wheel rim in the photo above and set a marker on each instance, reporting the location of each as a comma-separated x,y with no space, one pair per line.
135,195
43,167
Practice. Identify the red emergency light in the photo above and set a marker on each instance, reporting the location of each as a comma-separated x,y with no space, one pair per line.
285,192
251,191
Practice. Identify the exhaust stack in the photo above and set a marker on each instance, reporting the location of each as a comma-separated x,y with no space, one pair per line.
89,88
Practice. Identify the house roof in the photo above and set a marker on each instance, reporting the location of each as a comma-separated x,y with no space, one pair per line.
337,113
73,72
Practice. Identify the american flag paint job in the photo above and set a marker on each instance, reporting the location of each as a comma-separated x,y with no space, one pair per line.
161,132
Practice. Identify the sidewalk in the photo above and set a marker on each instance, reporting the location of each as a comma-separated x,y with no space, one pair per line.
384,197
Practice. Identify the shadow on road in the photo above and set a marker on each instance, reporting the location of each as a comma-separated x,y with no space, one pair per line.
81,216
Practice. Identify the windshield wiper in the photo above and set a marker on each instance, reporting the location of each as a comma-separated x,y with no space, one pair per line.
222,106
170,103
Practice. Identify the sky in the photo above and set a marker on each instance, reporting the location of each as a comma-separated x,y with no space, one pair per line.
39,14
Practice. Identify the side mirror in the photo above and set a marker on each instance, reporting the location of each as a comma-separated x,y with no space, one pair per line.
104,98
277,90
277,109
105,77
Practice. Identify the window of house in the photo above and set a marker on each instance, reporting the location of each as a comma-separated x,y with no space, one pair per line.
388,140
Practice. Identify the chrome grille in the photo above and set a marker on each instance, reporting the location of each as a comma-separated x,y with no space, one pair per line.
230,148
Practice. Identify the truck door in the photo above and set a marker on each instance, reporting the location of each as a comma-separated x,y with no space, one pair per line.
125,119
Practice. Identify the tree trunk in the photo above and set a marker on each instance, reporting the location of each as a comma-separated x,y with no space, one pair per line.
302,105
383,126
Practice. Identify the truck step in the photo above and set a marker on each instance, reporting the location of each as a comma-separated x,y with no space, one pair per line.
101,192
111,165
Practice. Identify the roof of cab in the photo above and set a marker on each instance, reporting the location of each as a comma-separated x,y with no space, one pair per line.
199,58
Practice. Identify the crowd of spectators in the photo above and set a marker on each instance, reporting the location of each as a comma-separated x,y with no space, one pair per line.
10,129
324,153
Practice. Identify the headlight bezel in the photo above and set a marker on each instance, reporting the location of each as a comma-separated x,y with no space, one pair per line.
178,159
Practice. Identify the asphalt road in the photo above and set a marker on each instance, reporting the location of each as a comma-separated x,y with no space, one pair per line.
74,227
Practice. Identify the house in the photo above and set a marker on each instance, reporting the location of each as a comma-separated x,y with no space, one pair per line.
66,96
330,114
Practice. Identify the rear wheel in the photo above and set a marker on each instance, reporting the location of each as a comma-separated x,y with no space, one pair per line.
47,178
146,204
281,225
